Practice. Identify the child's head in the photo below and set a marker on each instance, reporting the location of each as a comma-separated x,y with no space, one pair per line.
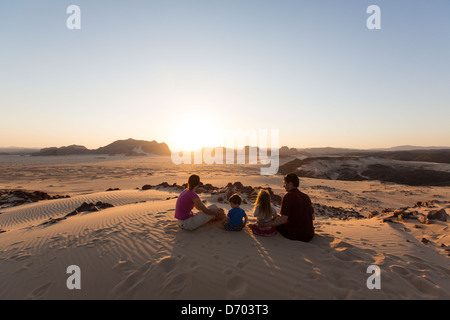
263,202
235,200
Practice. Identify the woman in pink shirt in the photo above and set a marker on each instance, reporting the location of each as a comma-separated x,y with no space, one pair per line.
187,200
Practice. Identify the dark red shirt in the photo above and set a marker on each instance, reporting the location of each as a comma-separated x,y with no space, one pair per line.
297,206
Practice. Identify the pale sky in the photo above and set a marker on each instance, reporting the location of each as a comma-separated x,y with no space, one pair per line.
179,71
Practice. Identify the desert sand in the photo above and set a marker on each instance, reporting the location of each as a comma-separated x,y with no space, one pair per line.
135,249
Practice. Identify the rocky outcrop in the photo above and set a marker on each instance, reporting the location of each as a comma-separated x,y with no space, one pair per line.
420,211
12,198
85,207
132,147
360,169
90,207
247,192
438,215
407,175
129,147
340,213
63,151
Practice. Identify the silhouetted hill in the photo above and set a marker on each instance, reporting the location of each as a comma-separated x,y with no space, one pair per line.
129,147
17,151
63,151
408,148
133,147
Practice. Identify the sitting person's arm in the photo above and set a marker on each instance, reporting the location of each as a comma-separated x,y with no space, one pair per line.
198,204
281,219
274,213
274,223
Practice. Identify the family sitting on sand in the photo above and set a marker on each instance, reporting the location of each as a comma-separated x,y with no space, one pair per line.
295,221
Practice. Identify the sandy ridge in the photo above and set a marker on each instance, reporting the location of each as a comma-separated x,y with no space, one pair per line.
136,251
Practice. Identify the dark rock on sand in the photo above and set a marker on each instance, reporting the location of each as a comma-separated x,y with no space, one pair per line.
438,215
12,198
90,207
427,204
53,220
424,220
333,212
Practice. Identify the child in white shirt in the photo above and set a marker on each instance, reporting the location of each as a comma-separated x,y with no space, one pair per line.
264,212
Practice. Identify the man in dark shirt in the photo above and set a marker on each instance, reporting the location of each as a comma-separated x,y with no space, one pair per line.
297,214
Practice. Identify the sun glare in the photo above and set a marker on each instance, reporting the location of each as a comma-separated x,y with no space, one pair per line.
193,133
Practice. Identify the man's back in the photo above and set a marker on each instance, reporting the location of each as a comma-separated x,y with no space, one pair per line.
297,206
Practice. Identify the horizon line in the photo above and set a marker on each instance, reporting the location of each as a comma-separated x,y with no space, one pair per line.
256,146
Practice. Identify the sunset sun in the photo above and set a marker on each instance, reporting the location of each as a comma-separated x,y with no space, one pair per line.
195,132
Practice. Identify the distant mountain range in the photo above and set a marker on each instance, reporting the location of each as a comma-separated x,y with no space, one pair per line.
408,148
17,151
132,147
129,147
322,151
404,153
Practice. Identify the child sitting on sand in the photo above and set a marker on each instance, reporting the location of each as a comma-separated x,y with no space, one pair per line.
264,212
233,221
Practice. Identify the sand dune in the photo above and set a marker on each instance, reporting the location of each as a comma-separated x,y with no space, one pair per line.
135,250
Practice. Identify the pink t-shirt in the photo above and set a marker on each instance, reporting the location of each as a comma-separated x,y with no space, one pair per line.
185,203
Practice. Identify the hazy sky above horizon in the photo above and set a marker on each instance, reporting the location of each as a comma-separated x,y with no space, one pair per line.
179,71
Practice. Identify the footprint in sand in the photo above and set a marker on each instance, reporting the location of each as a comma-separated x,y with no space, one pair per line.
20,256
39,292
172,282
245,260
427,286
175,284
236,287
123,265
128,287
167,264
194,265
24,267
228,272
399,270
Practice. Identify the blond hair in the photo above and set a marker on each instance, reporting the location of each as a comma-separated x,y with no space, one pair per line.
263,202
